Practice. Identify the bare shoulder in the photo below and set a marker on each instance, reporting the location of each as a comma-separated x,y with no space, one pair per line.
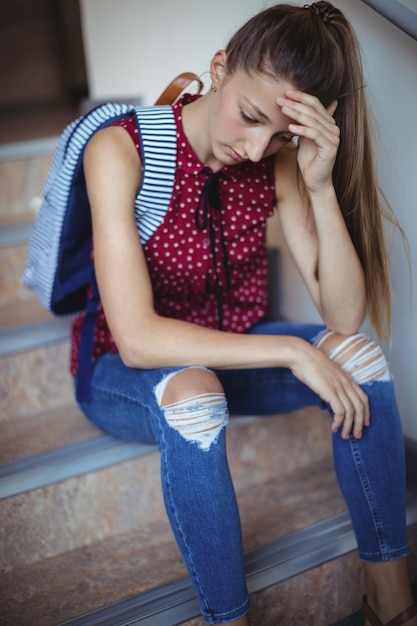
114,144
113,173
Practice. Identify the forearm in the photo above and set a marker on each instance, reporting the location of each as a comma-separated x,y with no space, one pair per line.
339,274
164,342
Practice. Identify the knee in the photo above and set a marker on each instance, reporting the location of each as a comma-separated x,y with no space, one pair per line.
187,383
194,404
357,354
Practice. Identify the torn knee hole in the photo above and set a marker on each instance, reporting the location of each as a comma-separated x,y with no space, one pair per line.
186,383
357,354
199,419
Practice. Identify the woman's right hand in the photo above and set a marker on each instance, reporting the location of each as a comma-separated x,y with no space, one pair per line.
348,402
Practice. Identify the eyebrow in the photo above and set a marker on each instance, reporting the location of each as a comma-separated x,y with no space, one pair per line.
257,110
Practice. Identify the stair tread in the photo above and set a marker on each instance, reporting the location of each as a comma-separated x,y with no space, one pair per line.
28,435
18,304
89,578
22,313
258,449
21,180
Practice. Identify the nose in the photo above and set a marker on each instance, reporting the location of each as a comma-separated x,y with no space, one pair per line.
256,146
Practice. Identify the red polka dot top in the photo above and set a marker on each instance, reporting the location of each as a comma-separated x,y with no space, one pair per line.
207,260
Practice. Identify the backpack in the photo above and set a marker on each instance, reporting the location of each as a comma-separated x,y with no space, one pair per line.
59,267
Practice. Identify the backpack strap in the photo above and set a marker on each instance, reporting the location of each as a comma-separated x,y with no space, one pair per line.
158,140
177,86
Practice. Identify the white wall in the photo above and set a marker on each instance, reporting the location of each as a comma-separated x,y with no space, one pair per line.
138,46
133,48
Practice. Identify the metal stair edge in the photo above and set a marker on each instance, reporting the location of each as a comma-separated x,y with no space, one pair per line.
67,462
15,234
72,460
305,549
30,149
30,336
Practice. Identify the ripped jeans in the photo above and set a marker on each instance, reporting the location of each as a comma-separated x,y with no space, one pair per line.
197,487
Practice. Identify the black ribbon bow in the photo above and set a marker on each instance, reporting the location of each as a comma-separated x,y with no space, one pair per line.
210,202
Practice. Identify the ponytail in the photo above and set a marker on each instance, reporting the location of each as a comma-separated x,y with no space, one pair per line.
315,49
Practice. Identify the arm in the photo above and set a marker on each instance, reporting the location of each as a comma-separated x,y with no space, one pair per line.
144,338
311,219
148,340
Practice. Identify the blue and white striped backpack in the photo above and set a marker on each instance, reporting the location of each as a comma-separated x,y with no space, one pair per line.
59,267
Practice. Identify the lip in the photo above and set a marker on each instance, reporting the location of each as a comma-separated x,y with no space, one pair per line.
236,156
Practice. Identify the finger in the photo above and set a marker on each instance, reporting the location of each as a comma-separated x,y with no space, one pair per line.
350,407
306,123
362,417
307,115
332,108
309,102
357,413
320,135
344,417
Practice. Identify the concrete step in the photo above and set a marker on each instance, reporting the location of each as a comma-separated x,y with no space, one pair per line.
23,171
138,577
118,483
30,435
35,380
22,177
18,304
143,555
83,528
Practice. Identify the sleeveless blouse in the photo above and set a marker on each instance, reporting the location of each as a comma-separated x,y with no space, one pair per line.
204,262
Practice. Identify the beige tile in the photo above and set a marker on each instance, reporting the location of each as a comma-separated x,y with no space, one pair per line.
59,518
26,435
119,499
279,443
88,579
20,182
318,597
18,304
35,380
315,598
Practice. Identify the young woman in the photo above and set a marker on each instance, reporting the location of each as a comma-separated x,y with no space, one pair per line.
181,340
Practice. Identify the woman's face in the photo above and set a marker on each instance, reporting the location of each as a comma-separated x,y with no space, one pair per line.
246,123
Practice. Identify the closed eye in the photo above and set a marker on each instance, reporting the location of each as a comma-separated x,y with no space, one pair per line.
247,118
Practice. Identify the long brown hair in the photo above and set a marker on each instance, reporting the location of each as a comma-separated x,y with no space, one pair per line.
315,49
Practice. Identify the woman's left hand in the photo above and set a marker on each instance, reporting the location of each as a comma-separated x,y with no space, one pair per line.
319,137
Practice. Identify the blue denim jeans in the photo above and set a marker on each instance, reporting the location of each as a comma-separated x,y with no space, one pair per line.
197,487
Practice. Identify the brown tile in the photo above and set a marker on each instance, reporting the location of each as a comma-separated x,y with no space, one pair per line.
315,598
21,182
18,304
35,380
124,497
26,435
65,516
318,597
279,506
270,446
90,578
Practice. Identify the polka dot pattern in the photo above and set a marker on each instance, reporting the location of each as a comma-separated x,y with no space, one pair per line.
179,256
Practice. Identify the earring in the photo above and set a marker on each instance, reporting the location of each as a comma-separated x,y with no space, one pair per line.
214,88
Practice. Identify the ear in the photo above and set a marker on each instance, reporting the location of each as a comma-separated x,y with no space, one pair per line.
218,67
